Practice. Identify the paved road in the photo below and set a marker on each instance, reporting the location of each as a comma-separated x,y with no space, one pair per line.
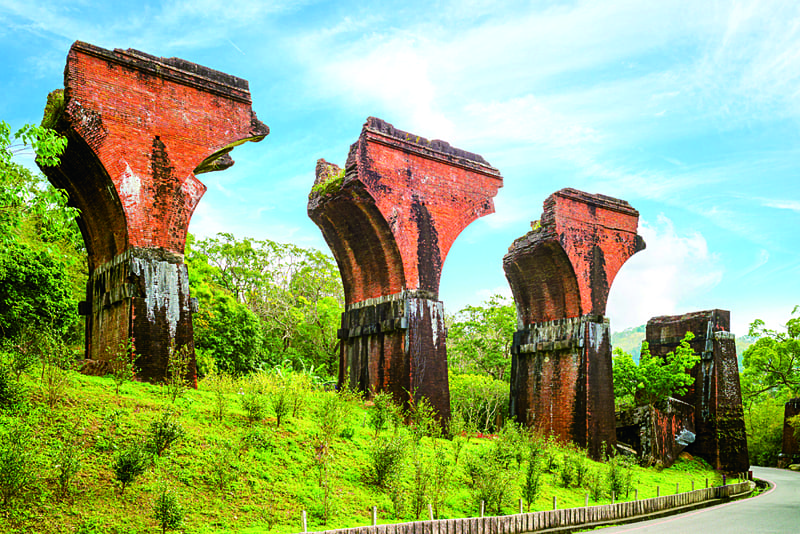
775,511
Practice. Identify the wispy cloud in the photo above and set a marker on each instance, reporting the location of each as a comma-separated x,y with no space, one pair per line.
793,205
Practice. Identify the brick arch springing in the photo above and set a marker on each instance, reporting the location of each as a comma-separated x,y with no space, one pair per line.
544,285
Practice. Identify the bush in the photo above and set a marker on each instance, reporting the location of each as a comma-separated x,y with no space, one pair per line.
532,485
16,463
67,463
385,411
122,363
177,370
163,433
386,460
221,466
253,399
129,464
480,400
220,384
166,510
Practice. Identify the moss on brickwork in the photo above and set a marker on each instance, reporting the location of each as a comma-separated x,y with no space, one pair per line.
329,185
53,109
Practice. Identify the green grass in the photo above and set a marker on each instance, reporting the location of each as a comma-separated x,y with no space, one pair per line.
272,473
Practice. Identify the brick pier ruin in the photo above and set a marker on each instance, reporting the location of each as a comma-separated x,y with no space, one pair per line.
139,129
716,394
560,275
790,451
390,216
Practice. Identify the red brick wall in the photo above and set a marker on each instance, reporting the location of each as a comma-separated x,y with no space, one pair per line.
139,128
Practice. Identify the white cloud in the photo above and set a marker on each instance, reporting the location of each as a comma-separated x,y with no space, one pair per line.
793,205
668,277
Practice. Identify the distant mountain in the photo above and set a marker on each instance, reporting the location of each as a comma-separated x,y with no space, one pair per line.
629,340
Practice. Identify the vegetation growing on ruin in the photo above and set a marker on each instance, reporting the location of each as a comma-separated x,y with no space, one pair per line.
331,184
653,378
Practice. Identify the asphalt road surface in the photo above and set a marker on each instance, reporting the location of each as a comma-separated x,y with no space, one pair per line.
774,511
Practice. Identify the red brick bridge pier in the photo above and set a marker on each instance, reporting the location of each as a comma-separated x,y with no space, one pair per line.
390,216
560,275
140,128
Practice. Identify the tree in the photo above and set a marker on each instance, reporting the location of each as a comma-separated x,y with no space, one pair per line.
772,363
42,259
654,378
479,339
295,293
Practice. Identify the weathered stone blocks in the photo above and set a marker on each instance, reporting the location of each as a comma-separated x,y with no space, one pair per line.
390,216
715,394
790,451
560,275
139,129
658,433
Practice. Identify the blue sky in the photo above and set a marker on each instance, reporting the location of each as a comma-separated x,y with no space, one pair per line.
688,110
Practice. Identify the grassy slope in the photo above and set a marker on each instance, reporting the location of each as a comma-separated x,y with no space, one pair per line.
274,475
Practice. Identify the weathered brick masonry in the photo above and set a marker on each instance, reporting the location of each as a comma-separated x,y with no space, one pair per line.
390,217
560,274
139,129
657,433
715,394
790,452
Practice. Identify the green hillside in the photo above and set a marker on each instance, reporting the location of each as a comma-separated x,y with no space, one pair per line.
247,474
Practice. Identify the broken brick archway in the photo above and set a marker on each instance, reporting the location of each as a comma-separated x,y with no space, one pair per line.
390,217
139,129
560,274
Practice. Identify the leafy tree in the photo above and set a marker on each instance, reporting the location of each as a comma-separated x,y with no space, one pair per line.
42,259
295,293
224,329
772,363
654,378
479,339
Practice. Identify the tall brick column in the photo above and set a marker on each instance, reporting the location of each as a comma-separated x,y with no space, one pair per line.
139,129
715,394
560,275
390,217
790,452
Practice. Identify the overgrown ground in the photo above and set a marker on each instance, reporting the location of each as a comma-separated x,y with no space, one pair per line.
231,474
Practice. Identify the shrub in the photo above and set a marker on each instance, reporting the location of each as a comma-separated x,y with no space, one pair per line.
16,463
221,466
421,417
281,399
177,369
67,462
480,399
567,471
386,460
164,431
56,364
252,399
129,464
532,485
385,411
166,510
122,363
221,385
